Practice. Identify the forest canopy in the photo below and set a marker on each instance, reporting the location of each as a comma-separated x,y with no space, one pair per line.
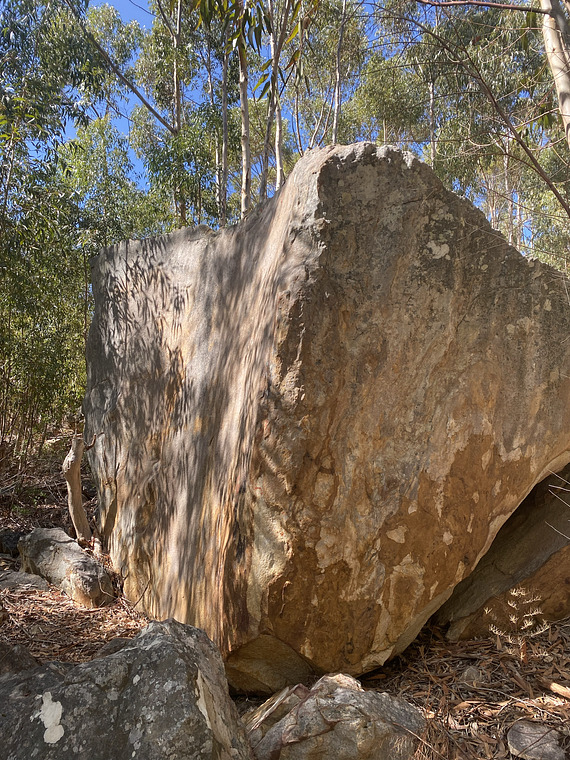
111,130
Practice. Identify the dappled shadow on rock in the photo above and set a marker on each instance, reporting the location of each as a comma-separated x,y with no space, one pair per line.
310,428
179,350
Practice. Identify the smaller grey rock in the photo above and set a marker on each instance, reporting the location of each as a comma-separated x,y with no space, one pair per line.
472,675
15,581
51,553
14,659
534,741
259,720
112,646
336,718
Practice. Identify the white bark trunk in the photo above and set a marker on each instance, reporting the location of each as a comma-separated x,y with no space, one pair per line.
72,473
556,35
337,86
432,123
280,174
245,148
224,181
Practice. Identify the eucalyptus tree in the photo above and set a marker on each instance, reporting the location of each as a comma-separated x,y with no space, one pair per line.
44,65
97,169
492,108
333,49
389,103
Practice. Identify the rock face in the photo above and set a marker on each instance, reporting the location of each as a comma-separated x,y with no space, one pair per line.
336,718
52,554
311,427
161,696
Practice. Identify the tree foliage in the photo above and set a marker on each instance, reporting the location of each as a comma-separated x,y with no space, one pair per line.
109,130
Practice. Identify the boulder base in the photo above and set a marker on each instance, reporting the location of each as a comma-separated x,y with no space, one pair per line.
311,427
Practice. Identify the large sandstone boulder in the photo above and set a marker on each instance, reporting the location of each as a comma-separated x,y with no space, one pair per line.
311,427
162,696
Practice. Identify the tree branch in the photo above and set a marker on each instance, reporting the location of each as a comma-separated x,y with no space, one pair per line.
482,4
165,19
473,70
115,69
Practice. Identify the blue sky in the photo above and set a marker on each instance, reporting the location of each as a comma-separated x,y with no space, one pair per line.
131,10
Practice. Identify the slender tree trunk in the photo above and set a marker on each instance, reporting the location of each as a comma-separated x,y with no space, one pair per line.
245,147
224,179
276,43
338,78
177,90
298,126
432,122
509,196
270,111
557,45
72,473
280,174
217,136
176,35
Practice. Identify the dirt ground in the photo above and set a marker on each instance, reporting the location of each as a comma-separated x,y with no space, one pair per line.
471,692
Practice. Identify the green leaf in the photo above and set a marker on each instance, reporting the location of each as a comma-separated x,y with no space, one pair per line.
293,59
260,81
294,33
265,89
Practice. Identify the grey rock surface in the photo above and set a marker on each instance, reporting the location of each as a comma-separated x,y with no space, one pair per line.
13,580
533,741
52,554
311,426
14,659
337,719
164,696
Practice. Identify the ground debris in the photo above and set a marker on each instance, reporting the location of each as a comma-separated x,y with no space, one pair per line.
469,718
52,627
471,692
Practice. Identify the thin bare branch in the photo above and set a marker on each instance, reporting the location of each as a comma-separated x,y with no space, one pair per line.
116,70
482,4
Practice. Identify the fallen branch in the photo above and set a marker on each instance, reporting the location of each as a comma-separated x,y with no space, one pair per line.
556,688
